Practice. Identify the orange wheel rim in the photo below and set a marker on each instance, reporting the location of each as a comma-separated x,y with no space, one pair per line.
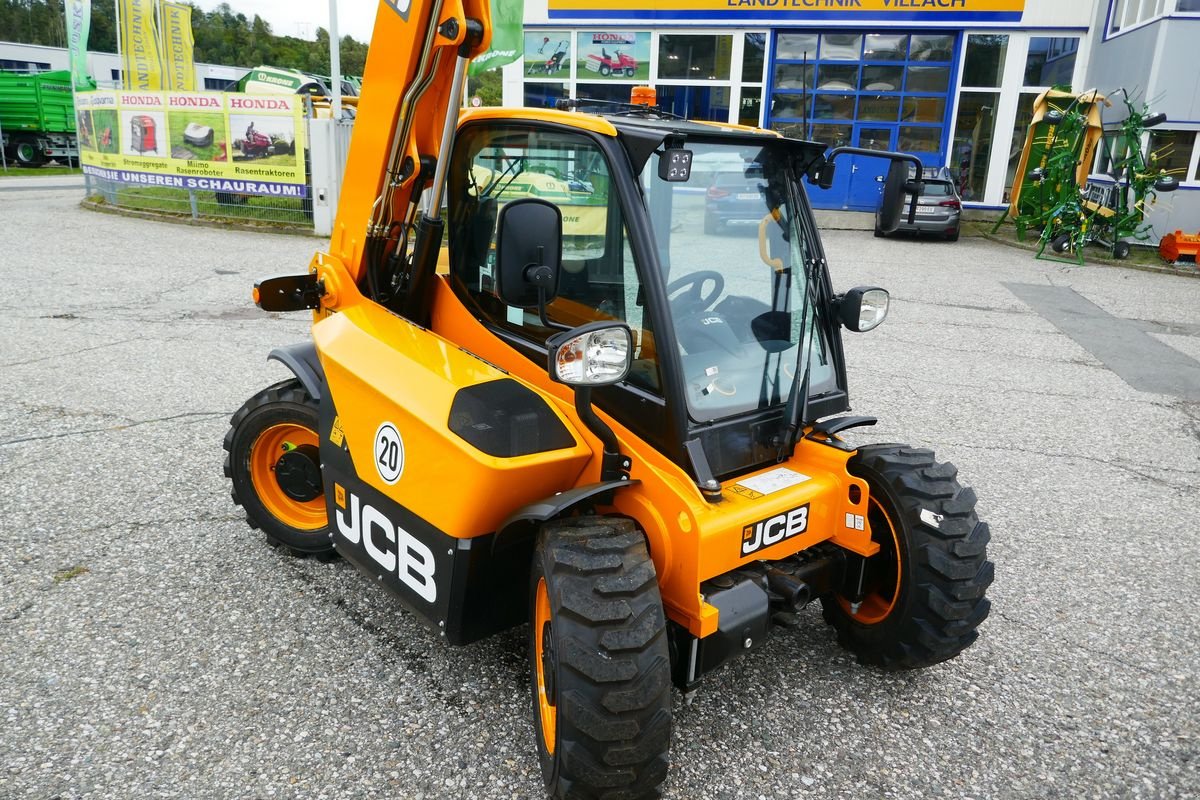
881,597
547,713
264,455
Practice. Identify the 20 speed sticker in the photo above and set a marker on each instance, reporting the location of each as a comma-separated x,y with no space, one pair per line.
774,530
389,453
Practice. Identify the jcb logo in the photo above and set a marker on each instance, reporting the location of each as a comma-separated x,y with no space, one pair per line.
391,547
774,530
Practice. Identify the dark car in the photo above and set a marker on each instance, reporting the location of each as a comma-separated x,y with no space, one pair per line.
939,211
734,200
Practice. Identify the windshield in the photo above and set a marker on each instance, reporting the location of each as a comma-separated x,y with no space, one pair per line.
733,246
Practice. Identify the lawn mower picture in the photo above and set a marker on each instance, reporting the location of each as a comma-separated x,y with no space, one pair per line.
260,145
608,65
198,135
555,62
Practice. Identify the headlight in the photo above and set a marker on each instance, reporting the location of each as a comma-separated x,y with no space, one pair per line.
596,354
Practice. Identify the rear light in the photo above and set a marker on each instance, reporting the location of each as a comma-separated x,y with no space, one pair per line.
955,204
716,194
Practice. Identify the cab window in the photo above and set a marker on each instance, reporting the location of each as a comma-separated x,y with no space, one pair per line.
495,165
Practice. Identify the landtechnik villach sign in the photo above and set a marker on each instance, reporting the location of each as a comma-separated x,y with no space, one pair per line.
793,12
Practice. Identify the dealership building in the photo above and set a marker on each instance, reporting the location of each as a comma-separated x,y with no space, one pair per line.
951,81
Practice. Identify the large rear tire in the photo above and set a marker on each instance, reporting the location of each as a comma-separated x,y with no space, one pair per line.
923,593
273,462
28,153
598,653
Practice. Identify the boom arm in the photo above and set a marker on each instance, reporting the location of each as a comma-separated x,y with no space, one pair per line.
407,113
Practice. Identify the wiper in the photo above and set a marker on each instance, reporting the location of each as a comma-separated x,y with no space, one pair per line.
796,409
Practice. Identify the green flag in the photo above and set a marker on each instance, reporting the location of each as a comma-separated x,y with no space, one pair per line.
508,38
79,22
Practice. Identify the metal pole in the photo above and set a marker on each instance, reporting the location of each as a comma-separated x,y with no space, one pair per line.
335,62
3,156
120,36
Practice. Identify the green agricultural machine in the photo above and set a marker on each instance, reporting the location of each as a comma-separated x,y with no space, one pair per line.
37,117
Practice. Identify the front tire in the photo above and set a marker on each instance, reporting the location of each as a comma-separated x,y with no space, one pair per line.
273,463
600,667
924,591
28,153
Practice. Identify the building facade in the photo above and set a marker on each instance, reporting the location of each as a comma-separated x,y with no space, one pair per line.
104,67
951,81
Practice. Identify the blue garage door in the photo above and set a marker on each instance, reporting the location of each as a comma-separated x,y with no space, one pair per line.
874,90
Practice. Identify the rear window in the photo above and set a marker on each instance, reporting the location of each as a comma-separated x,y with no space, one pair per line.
937,189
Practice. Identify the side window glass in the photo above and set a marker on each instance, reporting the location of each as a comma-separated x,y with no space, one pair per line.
493,166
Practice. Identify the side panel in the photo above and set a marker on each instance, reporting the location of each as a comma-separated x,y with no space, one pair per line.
395,385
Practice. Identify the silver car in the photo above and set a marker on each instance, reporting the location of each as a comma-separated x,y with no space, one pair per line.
939,211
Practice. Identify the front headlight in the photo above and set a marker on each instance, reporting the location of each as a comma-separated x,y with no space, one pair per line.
596,354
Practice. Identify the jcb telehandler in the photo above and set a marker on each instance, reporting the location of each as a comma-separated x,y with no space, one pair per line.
590,415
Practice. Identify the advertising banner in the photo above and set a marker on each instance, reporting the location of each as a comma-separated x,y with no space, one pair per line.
141,59
79,22
177,47
792,12
211,141
614,55
548,53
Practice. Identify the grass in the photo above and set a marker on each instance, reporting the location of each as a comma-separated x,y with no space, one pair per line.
273,211
64,575
37,172
1141,255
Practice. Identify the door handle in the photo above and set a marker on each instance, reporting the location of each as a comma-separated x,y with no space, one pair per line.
854,169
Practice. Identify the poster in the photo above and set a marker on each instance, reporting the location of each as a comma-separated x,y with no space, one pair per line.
547,54
209,141
614,55
790,12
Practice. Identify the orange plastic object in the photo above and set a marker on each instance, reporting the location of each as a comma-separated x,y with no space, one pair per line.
1179,244
643,96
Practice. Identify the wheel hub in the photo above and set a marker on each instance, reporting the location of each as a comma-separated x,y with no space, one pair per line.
549,669
298,473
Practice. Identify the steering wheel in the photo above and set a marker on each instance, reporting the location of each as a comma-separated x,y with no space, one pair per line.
690,288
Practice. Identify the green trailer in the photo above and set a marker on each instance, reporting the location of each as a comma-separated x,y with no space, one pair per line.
37,117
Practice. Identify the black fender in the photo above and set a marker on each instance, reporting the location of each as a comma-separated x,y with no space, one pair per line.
527,518
301,359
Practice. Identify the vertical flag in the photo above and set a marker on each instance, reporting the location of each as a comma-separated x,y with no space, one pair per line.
508,39
141,57
79,21
177,42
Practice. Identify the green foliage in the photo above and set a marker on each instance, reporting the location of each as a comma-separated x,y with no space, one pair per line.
222,36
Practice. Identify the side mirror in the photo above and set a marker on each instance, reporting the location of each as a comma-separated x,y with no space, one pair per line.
893,197
528,252
596,354
863,308
822,175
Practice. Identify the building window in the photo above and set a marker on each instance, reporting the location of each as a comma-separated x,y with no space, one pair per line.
754,63
614,55
1171,152
1051,61
974,129
1133,13
12,65
692,57
1188,6
984,65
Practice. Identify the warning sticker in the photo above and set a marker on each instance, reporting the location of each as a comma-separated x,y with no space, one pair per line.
337,435
774,481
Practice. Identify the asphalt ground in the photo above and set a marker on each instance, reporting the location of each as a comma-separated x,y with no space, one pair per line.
151,645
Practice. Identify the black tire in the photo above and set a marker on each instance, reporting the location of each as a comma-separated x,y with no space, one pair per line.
879,234
1061,243
283,498
630,72
953,237
924,591
1121,251
605,70
604,664
27,153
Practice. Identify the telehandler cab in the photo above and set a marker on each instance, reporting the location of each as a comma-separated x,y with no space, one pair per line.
587,413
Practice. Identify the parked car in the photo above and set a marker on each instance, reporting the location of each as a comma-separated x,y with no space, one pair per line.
939,209
734,199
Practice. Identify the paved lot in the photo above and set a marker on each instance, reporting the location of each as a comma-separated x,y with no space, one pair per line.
152,646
